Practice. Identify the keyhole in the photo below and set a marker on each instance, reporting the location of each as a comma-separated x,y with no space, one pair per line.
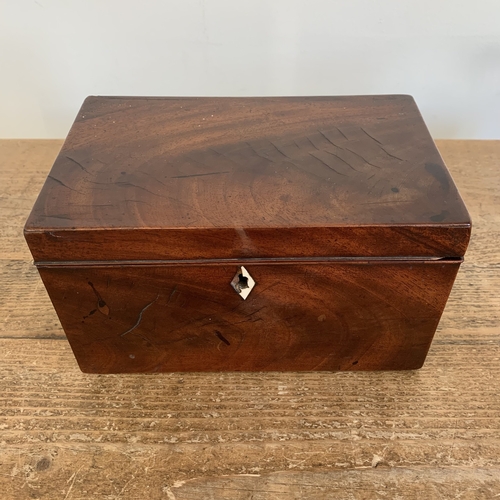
242,282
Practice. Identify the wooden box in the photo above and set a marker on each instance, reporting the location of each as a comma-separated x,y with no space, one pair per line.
223,234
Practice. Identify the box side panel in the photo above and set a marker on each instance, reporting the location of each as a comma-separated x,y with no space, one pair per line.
375,316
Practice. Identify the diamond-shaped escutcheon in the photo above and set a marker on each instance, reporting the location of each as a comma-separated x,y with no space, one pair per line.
243,283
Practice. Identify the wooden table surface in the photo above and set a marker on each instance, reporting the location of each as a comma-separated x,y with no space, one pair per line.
432,433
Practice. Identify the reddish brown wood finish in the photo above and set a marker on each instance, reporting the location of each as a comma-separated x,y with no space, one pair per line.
341,209
226,178
153,244
336,316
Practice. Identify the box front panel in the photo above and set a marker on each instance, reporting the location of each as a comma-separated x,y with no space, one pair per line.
314,316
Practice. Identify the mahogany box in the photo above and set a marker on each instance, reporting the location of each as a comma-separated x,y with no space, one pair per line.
228,234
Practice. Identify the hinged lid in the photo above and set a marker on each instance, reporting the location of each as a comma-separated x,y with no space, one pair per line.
228,178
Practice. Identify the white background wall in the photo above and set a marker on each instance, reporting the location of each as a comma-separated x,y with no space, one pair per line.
446,53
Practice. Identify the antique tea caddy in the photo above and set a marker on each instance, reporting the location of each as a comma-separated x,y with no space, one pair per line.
211,234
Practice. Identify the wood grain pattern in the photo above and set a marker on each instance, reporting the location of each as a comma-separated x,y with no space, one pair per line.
140,183
412,484
316,316
130,435
237,177
431,433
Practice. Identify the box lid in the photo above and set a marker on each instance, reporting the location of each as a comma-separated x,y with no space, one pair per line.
142,178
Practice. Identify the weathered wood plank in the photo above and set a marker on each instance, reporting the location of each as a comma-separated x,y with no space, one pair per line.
434,433
24,165
159,429
415,483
